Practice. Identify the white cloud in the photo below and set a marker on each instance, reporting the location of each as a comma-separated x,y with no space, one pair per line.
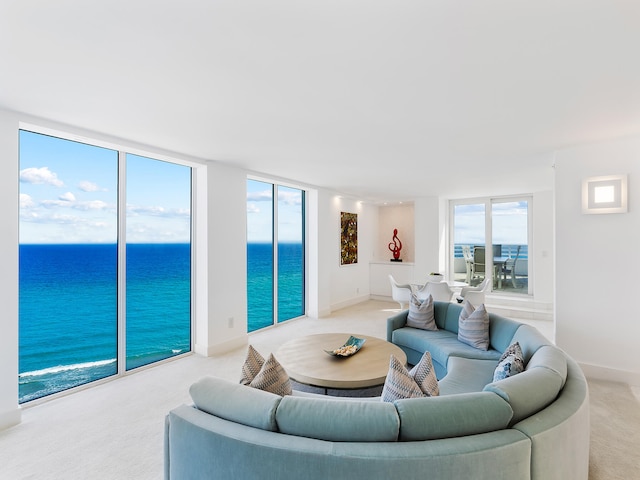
67,197
92,205
87,186
263,196
54,203
252,208
26,201
40,176
154,211
290,198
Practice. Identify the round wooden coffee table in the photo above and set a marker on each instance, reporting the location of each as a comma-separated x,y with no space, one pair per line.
306,361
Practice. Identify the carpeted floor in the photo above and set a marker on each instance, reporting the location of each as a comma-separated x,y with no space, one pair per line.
115,430
615,431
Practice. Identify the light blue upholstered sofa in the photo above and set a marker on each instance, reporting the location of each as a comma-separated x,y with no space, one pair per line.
534,425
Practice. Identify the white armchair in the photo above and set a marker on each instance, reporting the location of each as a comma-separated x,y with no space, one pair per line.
400,292
440,291
475,295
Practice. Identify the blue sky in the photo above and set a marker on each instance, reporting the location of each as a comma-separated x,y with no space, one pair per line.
68,194
259,213
509,223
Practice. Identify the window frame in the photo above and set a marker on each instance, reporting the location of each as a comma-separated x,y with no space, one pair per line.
274,232
488,203
122,150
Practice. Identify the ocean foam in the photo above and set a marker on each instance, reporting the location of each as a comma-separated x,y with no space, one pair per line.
64,368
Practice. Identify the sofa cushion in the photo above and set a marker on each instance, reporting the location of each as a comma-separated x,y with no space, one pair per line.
425,376
473,326
421,313
252,365
235,402
441,344
550,357
466,375
530,340
452,416
528,392
511,363
399,383
502,331
338,420
272,378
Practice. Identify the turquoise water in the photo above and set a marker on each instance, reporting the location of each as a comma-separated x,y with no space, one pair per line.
260,283
68,307
68,312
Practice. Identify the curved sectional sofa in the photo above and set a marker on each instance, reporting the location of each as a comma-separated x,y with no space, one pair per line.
533,425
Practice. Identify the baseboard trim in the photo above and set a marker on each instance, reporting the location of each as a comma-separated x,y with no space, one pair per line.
10,418
220,348
597,372
350,302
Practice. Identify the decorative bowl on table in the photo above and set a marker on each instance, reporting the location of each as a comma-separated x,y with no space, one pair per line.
350,347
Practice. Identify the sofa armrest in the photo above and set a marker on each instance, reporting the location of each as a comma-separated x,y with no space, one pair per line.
397,321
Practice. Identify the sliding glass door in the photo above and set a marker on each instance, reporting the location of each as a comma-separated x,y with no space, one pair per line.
510,230
490,239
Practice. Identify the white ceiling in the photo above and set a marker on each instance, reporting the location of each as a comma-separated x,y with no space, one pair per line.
385,100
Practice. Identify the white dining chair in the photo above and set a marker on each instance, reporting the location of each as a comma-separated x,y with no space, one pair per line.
440,291
475,295
400,292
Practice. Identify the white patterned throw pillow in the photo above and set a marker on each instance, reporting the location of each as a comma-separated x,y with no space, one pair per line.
425,376
473,326
399,383
272,378
511,363
252,365
421,313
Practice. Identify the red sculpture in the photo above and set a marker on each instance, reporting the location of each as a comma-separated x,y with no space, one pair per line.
395,246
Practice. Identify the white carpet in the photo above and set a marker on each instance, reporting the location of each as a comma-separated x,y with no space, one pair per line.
115,430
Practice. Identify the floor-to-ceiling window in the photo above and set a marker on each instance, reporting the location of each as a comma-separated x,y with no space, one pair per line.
90,304
158,259
275,254
490,238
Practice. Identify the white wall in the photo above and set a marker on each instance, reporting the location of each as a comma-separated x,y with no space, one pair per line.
320,238
541,274
597,264
402,218
349,284
9,411
430,238
225,327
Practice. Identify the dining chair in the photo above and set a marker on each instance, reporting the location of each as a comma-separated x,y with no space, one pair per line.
479,262
440,291
400,292
474,295
509,268
468,260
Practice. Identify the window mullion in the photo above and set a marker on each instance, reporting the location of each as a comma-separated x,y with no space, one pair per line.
122,262
275,253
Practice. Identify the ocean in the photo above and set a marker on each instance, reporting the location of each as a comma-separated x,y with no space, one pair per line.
260,283
68,312
68,307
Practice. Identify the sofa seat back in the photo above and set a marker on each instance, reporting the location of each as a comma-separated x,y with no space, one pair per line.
235,402
338,420
452,416
535,388
442,345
